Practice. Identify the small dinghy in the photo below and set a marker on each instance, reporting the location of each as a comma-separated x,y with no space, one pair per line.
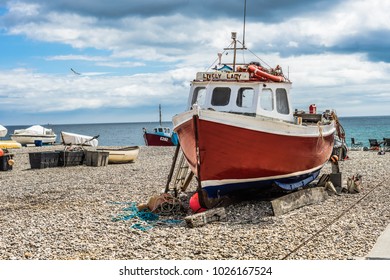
122,155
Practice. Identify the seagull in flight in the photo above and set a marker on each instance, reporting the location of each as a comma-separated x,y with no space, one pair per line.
77,73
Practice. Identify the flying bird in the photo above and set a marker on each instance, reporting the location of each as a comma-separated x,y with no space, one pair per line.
77,73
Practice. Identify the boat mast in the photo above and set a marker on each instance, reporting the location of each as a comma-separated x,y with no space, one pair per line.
243,32
234,36
159,110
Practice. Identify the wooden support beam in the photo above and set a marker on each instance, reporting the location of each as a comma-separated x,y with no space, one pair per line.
298,199
209,216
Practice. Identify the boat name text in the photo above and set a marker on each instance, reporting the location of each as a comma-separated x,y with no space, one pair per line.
207,76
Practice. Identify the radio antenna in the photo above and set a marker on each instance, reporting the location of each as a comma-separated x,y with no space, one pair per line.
243,33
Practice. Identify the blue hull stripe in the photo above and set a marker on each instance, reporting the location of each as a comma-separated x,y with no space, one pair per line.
290,183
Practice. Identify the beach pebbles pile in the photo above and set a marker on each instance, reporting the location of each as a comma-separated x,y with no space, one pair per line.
77,212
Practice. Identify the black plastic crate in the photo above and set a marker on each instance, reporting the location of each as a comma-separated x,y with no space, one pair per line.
43,159
5,163
70,158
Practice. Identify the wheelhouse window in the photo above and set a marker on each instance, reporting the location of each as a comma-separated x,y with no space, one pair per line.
282,101
245,97
266,99
220,96
199,96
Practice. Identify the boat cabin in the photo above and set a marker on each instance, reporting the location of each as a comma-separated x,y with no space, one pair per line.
236,92
162,131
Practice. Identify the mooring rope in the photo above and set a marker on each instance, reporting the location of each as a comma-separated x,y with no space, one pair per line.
331,222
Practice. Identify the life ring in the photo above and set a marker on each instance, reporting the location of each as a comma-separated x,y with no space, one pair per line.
257,71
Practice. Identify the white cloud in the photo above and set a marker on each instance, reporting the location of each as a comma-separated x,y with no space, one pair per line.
77,57
23,9
121,64
48,93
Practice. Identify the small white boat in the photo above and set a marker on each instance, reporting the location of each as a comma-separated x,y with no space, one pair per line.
69,138
3,131
34,133
122,155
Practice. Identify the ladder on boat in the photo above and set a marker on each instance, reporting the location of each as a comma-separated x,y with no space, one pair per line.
180,172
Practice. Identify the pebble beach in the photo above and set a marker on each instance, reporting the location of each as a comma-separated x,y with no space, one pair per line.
68,213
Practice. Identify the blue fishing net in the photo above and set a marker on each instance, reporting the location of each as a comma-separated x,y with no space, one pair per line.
145,220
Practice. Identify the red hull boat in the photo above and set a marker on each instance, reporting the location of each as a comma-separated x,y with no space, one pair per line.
231,157
161,136
157,139
240,132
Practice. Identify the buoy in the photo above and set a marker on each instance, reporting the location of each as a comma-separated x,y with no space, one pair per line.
313,109
195,205
11,162
1,152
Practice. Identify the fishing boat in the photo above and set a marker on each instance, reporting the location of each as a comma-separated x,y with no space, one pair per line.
33,135
239,131
122,155
69,138
160,136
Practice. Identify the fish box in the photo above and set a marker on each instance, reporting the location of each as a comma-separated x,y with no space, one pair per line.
96,158
70,158
5,162
43,159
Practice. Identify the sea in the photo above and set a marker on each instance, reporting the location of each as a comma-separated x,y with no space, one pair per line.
131,134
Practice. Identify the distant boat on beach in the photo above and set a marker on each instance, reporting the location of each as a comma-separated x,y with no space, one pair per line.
160,136
3,131
122,155
33,134
69,138
239,131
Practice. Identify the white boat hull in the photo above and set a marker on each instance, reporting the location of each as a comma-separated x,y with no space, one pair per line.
30,139
3,131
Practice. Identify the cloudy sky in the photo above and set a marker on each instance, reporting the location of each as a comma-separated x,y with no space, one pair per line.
134,55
